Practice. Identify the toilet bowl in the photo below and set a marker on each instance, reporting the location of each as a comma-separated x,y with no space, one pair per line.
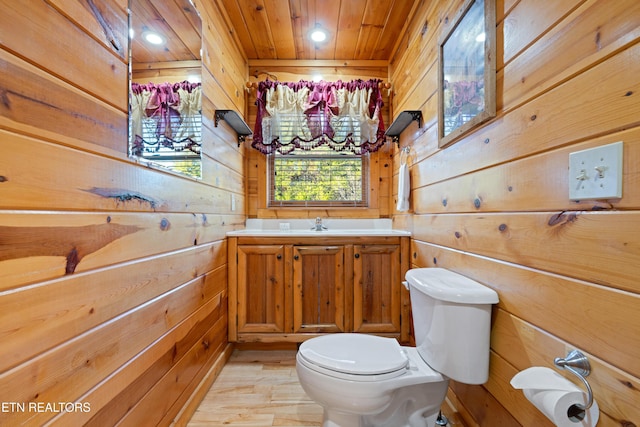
370,381
365,380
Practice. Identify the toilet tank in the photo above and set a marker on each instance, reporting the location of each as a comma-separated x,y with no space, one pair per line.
452,322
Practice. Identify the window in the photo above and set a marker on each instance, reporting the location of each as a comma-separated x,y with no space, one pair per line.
165,126
181,155
318,137
318,177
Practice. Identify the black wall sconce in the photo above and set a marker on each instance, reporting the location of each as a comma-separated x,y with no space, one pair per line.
236,122
401,122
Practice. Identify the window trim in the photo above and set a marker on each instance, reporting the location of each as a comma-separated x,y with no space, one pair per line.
364,203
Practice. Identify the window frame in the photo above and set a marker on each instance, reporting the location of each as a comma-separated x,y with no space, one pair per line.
365,187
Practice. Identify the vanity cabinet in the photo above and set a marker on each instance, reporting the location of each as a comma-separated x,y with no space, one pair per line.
318,289
261,289
376,288
288,289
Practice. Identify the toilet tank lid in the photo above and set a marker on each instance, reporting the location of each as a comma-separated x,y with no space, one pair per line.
445,285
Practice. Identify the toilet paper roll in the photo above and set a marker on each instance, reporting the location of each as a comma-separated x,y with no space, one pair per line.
556,397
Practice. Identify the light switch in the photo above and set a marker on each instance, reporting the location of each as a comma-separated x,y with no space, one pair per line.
596,173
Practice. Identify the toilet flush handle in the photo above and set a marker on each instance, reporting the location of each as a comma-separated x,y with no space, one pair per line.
405,284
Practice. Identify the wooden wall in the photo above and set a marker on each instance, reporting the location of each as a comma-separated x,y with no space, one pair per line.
494,206
113,283
113,275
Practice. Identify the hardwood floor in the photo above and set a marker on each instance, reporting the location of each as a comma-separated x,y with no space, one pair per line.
258,388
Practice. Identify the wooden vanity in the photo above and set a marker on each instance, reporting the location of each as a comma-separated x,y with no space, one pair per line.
289,287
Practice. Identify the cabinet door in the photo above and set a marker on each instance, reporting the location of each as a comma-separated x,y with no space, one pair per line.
260,289
318,289
376,291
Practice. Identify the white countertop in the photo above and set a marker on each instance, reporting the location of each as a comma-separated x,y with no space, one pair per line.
306,228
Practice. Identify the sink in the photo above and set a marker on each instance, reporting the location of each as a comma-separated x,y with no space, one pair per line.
334,227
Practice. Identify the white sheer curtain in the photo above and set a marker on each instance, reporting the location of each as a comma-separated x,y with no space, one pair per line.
286,119
353,115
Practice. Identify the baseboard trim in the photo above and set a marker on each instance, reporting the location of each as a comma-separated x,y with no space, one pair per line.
191,405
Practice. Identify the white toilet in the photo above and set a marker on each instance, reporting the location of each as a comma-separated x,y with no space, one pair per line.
365,380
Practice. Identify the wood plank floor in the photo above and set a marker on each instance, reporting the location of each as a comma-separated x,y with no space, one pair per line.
258,388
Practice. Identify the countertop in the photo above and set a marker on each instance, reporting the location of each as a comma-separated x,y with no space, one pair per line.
303,228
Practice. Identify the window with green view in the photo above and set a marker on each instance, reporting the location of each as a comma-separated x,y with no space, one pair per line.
318,177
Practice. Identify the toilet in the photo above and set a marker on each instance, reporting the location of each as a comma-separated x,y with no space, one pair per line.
365,380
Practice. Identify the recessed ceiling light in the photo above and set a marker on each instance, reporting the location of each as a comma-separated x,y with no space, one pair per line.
153,38
318,34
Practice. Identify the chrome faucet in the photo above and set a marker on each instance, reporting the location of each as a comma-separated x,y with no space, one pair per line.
319,226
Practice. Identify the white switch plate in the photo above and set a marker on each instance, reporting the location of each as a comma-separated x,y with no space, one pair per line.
596,173
233,202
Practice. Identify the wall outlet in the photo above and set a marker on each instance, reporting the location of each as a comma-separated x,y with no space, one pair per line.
596,173
285,226
233,203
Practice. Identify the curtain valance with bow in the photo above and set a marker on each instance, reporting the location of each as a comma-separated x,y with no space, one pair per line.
305,115
165,115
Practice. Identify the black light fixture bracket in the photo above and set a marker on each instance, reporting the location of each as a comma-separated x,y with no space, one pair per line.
401,122
236,122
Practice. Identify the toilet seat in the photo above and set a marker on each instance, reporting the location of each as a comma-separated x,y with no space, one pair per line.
357,357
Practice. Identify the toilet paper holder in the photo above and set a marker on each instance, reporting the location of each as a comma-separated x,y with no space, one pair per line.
578,364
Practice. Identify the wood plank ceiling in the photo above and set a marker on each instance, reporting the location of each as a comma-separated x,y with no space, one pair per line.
176,20
358,29
278,29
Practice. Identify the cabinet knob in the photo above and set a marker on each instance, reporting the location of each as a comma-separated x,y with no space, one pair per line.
279,256
357,256
296,257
